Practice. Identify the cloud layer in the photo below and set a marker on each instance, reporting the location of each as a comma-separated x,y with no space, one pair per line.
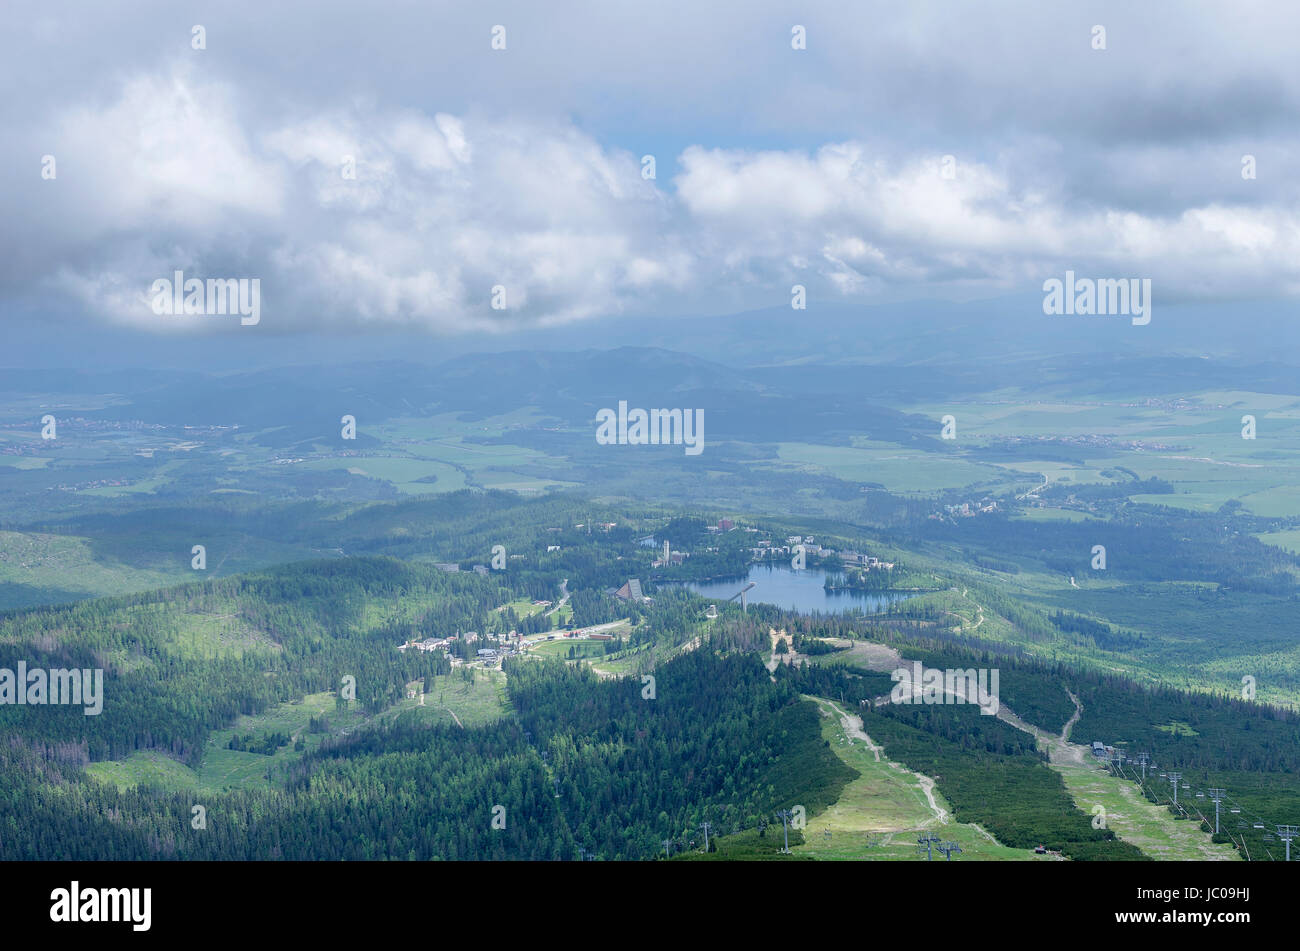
935,153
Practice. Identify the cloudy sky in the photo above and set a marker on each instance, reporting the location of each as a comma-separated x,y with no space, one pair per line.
524,167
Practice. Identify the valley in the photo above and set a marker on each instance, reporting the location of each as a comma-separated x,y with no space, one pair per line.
352,600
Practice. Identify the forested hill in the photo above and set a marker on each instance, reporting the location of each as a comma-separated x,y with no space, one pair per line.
588,763
181,662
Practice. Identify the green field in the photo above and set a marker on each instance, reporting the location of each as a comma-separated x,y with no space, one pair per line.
1287,541
403,473
450,699
71,564
560,648
880,815
897,469
453,699
146,768
1119,803
1198,447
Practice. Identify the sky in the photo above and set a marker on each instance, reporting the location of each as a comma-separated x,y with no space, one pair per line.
918,151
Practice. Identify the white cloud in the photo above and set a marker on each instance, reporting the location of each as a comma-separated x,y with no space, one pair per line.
851,217
168,152
177,172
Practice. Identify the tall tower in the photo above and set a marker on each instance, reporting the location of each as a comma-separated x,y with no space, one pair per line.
667,551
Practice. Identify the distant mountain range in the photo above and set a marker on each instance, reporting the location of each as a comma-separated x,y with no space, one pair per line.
790,401
975,334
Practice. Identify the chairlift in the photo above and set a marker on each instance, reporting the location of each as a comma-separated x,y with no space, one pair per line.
1200,795
1235,809
1185,786
1259,825
1241,824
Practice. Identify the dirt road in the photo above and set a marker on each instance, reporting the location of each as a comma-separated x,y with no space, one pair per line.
852,726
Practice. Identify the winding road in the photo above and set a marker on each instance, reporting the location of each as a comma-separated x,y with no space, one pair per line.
852,726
